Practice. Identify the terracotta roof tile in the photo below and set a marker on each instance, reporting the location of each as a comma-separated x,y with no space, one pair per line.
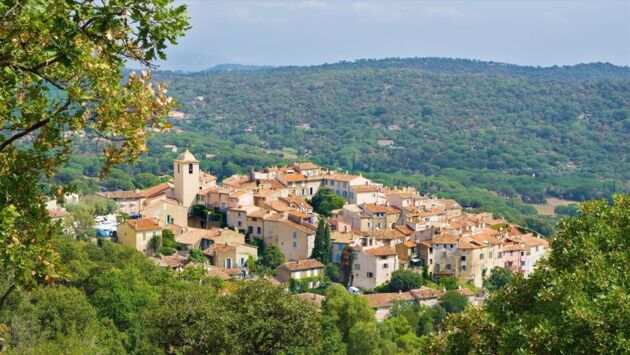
365,188
381,251
386,300
299,265
144,224
341,177
425,293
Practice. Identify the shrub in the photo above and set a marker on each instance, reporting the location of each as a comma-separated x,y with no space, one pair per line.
454,302
405,280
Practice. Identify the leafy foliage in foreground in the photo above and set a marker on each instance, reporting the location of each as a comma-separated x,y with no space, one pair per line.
115,300
61,77
575,302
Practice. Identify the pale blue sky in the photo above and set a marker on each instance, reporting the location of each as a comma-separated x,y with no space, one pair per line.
318,31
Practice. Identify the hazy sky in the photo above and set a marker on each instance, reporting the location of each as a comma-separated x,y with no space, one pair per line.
315,32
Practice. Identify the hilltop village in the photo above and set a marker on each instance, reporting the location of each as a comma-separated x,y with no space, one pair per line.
377,231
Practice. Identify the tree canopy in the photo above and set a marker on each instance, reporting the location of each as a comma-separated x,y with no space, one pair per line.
321,249
325,200
61,67
405,280
575,302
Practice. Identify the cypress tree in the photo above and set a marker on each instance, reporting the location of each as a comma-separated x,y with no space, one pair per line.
321,249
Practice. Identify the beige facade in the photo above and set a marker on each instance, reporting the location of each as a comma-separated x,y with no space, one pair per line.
300,270
186,179
237,216
294,240
372,265
137,233
469,258
167,211
231,255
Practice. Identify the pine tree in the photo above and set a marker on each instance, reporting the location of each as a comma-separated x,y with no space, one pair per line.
321,249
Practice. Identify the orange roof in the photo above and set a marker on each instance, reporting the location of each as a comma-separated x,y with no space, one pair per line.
174,261
273,183
299,227
410,244
205,177
294,177
424,293
445,239
404,229
365,188
531,241
143,224
374,208
385,300
306,166
381,251
260,213
156,190
298,265
341,177
218,248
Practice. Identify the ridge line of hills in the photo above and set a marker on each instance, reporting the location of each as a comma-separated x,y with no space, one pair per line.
582,71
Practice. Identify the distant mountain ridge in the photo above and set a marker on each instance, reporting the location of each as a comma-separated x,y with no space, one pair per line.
588,71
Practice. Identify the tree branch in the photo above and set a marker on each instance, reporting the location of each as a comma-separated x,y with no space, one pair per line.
6,294
34,127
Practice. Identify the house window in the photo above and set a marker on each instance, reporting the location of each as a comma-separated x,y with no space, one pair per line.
463,258
430,250
448,266
522,253
240,223
294,234
228,263
463,268
250,229
536,248
258,230
295,244
190,168
444,254
357,267
490,255
370,274
499,255
523,263
385,266
481,256
242,261
355,256
169,219
430,261
177,168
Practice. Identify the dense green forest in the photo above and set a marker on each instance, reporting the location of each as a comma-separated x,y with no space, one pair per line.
111,299
492,135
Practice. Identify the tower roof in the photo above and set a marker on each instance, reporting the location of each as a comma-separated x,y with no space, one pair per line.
187,157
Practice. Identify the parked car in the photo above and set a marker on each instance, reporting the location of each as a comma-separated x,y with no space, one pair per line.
354,291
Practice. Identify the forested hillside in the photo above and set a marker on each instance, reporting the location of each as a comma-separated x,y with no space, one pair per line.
518,130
